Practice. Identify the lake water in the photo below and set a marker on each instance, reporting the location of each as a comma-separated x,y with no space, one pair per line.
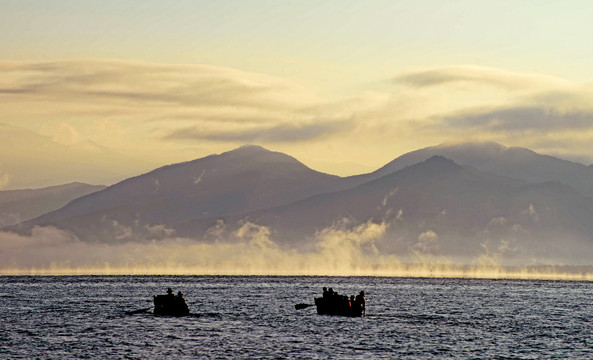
78,317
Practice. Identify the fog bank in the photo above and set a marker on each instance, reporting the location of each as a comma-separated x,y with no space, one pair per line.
341,250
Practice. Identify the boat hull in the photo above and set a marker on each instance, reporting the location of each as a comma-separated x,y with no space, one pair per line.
338,306
170,305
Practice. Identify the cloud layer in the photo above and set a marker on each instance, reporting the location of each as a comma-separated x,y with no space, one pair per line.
519,109
522,119
159,93
163,111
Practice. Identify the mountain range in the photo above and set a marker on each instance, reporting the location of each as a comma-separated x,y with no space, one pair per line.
513,162
448,200
17,206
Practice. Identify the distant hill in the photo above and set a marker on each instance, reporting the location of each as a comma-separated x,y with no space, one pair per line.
19,205
490,157
437,207
244,180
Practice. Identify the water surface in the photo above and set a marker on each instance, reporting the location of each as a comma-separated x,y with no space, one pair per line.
76,317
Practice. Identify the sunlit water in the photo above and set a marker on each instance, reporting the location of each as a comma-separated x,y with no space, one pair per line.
254,317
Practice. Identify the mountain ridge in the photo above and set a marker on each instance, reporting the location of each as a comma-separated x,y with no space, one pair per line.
241,180
461,209
514,162
20,205
464,209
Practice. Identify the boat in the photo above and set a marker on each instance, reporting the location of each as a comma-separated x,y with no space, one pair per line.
170,304
334,304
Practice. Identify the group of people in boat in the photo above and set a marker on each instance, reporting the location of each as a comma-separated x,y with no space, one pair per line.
170,304
178,297
333,303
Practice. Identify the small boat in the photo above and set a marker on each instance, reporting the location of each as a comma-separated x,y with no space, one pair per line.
334,304
170,304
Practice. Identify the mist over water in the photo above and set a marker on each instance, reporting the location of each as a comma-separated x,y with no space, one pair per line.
339,251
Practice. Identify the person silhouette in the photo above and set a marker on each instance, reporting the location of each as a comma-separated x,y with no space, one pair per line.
361,301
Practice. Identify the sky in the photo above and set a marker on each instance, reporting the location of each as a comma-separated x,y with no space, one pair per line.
96,91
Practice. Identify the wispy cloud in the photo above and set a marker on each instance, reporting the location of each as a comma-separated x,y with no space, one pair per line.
139,83
177,101
478,76
522,118
276,133
460,103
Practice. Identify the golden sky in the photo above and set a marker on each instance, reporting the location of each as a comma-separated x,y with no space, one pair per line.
344,86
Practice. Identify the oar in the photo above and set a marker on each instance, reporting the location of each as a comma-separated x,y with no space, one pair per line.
137,311
302,306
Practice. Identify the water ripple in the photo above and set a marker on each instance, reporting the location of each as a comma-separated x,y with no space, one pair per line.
254,317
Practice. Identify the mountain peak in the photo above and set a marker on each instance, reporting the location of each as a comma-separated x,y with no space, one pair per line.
438,163
258,154
247,150
250,147
440,159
